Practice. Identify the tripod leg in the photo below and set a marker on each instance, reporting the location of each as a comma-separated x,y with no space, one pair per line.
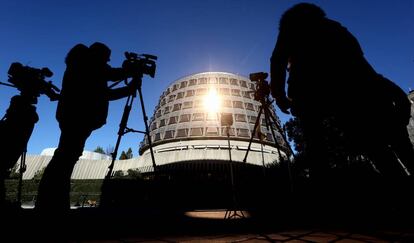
282,133
269,126
22,170
267,115
121,132
254,129
147,129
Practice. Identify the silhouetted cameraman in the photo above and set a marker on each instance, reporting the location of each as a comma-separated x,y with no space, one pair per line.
18,123
83,108
329,77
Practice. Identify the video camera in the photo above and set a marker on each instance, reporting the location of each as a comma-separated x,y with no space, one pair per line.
262,87
31,81
136,64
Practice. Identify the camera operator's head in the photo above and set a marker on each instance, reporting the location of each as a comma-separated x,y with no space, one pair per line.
300,15
76,54
100,52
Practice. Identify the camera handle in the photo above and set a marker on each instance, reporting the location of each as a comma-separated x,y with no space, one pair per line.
6,84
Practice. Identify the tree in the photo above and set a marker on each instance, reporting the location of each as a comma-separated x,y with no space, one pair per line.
123,156
134,173
129,153
99,149
295,134
126,155
118,174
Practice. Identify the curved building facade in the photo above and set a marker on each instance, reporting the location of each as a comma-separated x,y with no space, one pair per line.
187,124
186,130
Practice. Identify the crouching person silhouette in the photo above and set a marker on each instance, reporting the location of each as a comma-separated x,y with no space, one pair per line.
329,78
82,108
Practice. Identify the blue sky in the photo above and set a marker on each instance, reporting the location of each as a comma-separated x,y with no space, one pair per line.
235,36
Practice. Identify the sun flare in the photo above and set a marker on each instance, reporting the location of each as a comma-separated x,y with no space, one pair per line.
212,101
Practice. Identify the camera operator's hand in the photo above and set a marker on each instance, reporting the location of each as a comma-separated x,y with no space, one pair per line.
134,84
53,96
284,104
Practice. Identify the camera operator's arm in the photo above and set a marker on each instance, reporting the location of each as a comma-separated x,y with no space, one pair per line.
278,66
118,93
115,74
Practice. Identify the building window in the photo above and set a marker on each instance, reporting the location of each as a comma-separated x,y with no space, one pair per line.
240,117
190,93
249,106
224,91
192,82
242,132
185,118
163,102
269,137
198,103
157,137
202,81
180,95
196,131
183,132
263,121
227,103
252,86
233,81
173,120
235,92
201,91
175,87
212,81
246,94
158,114
166,110
252,119
223,81
169,134
188,105
212,116
211,131
171,98
153,126
167,92
198,117
177,107
224,131
243,83
183,84
238,104
162,122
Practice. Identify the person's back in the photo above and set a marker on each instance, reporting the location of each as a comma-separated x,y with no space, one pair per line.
329,77
326,62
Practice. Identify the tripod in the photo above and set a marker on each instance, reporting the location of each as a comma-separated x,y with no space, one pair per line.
123,129
227,120
262,95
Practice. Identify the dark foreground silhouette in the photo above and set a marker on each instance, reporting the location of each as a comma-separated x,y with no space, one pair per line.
82,108
18,123
329,79
353,202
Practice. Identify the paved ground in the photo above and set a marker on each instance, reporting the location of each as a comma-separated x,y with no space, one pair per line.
96,225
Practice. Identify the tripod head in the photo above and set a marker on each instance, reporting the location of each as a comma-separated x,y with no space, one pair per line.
262,91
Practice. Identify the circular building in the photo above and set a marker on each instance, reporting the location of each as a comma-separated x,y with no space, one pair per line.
190,124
